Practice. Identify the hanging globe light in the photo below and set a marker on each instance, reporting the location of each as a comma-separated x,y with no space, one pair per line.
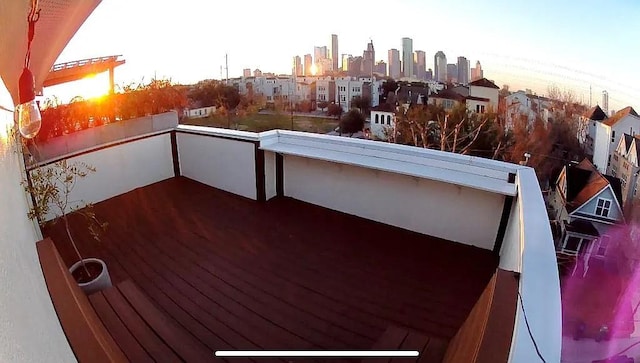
29,118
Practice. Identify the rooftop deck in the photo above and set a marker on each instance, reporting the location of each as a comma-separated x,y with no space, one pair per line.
240,274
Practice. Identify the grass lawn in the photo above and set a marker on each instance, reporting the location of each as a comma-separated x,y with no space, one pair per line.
260,122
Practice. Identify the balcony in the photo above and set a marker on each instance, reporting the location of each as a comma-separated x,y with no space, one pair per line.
287,240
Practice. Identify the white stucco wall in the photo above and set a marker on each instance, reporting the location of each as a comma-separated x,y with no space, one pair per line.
270,174
122,168
30,331
601,147
221,163
539,284
485,92
434,208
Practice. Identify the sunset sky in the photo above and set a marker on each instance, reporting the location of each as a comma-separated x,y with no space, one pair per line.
573,44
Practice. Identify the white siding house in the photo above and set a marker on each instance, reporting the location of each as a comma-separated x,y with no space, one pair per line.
382,123
484,88
608,133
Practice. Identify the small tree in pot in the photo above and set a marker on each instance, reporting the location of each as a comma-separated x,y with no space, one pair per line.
51,188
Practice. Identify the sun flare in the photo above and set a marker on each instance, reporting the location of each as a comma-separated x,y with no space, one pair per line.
93,86
314,69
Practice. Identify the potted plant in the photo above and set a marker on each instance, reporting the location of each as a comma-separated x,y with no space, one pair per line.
51,188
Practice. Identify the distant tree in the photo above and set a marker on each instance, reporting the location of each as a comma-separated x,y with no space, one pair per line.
323,104
334,110
362,103
352,122
389,86
304,106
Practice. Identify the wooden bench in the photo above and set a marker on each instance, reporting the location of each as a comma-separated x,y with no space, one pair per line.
119,324
145,333
430,349
87,336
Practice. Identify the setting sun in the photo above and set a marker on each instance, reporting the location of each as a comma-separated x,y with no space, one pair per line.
314,69
93,86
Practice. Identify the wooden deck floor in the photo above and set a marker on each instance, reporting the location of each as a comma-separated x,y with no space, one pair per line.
239,274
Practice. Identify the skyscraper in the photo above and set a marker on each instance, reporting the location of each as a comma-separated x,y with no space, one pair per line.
605,102
440,67
407,57
421,65
346,58
477,73
297,66
308,62
394,63
463,70
319,53
334,51
246,72
368,59
452,72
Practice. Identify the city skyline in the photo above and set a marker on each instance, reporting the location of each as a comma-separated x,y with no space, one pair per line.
514,47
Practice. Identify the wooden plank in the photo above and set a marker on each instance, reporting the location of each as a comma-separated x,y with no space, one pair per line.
127,342
434,351
414,341
147,338
181,341
391,339
86,334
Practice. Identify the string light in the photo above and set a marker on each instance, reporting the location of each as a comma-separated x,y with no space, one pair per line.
28,112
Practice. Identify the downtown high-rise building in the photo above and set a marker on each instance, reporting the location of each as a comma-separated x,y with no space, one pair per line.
346,58
477,73
381,68
308,62
368,59
319,53
463,70
440,67
407,57
605,102
246,72
334,51
452,73
394,64
297,69
421,65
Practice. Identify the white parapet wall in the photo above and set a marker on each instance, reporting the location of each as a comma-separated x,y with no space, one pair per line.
430,207
528,249
122,167
223,159
105,134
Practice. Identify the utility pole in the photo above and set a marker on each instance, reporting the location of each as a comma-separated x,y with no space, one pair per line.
226,66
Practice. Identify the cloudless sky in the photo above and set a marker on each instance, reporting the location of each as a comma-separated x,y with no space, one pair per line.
573,44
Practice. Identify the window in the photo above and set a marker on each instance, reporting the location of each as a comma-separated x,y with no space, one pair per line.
615,157
377,118
603,243
479,108
572,245
388,119
613,135
343,98
603,207
623,182
613,171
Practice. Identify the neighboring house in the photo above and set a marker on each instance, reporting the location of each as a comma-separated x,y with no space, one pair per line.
607,133
447,99
199,112
587,128
625,166
585,205
382,123
484,88
521,103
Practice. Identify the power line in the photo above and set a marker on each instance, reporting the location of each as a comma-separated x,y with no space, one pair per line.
526,321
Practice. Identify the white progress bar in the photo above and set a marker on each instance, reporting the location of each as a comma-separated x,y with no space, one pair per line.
315,353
